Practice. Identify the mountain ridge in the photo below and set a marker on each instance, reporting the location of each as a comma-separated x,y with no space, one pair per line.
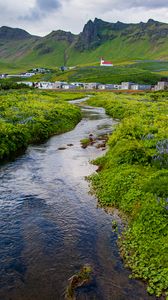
117,41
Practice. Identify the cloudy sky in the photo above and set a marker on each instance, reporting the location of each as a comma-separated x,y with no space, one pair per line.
42,16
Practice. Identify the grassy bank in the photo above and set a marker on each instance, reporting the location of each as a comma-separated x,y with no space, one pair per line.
134,178
33,116
144,73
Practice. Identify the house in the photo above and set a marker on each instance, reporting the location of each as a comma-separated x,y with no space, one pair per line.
91,86
13,76
63,68
30,84
111,86
78,84
101,87
2,76
141,87
28,74
41,70
161,85
126,85
68,86
57,85
44,85
104,63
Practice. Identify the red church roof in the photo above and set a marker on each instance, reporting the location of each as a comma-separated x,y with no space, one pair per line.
107,62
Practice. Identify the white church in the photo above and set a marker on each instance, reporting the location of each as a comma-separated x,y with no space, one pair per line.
104,63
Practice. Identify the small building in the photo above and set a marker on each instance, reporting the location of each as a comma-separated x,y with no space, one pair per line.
2,76
117,86
91,86
14,76
111,86
41,70
68,86
141,87
104,63
126,85
28,83
101,87
78,84
63,68
57,85
27,74
44,85
161,85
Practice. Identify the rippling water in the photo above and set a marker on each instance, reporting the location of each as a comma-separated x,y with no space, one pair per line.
50,225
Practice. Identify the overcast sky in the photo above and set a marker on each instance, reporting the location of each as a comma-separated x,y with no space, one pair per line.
42,16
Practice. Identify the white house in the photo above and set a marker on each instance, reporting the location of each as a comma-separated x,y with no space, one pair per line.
3,76
45,85
91,85
161,85
57,85
27,75
28,83
105,63
126,85
101,87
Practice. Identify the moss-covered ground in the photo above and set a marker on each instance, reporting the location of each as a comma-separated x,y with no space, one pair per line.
30,116
133,177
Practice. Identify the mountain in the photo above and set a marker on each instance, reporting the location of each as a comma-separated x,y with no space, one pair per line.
115,41
7,33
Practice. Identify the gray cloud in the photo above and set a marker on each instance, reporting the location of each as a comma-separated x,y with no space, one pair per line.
152,4
42,16
48,5
41,9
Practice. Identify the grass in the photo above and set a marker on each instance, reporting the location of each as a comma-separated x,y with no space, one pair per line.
133,72
33,116
133,177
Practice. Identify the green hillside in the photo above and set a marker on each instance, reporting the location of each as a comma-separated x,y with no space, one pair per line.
118,42
139,72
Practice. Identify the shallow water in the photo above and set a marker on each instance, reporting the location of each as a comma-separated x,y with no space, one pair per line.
50,225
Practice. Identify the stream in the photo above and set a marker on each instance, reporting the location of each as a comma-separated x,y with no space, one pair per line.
50,225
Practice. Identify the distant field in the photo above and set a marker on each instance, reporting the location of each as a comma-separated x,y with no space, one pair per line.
148,72
138,72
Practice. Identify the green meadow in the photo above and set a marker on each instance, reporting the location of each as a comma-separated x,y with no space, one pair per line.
142,72
133,177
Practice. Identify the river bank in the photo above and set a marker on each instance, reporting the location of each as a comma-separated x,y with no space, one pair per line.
133,178
28,117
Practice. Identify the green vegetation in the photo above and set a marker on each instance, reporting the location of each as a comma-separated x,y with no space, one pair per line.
7,84
114,75
132,42
133,177
28,116
140,72
85,142
118,42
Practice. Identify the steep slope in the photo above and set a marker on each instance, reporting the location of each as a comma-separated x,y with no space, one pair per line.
115,41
